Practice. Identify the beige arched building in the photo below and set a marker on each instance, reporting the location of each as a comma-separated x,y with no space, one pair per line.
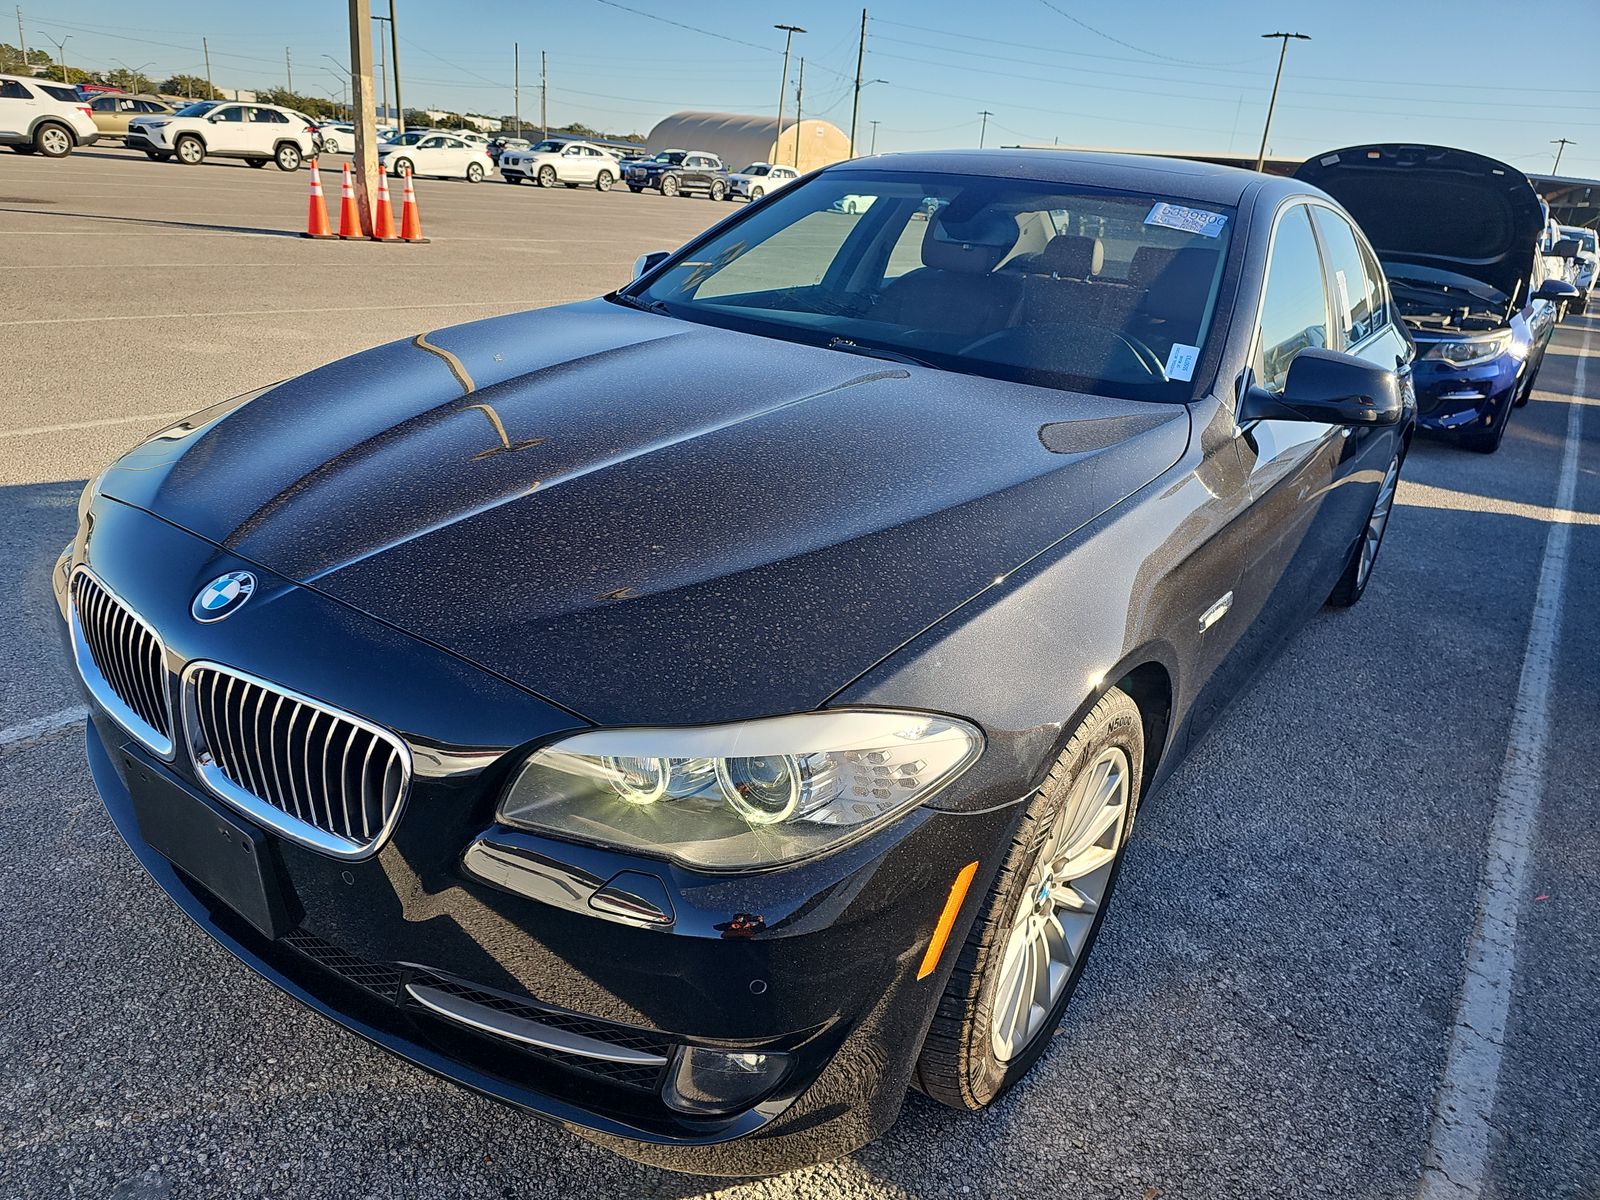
739,140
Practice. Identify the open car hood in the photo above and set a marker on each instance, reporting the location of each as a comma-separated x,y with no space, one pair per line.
1438,207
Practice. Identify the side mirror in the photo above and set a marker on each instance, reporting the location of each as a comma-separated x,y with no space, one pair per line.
1329,387
646,263
1555,291
1566,248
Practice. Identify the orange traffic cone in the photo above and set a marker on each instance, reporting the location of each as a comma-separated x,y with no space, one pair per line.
410,218
383,214
349,218
317,209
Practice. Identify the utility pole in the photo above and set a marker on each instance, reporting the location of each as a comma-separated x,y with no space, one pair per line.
516,85
394,65
363,117
383,68
211,89
1283,50
544,96
984,128
874,125
22,41
783,87
288,69
1560,144
799,94
861,57
61,54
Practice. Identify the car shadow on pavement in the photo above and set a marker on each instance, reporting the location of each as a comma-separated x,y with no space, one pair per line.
153,222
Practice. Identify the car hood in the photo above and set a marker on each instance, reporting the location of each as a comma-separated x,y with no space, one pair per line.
1438,207
589,501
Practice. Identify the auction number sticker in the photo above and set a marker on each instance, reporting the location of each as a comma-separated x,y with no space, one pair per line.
1190,220
1181,360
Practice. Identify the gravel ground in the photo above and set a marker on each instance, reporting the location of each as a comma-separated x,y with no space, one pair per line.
1269,1006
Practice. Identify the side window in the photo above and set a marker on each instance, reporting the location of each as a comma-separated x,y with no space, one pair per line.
1377,284
1294,309
228,114
104,104
795,257
1352,295
10,89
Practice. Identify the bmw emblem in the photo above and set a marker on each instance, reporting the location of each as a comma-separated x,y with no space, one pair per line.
223,596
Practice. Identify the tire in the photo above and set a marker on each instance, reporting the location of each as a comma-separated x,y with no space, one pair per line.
635,189
257,162
22,149
189,150
288,157
669,185
474,172
1357,574
719,190
1525,393
331,145
1489,440
547,176
962,1064
153,155
603,181
756,193
564,183
52,140
400,166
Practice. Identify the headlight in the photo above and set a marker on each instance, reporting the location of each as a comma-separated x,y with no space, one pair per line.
733,797
86,497
1469,352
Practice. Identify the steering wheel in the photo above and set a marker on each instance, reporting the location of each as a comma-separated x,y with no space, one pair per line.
1071,350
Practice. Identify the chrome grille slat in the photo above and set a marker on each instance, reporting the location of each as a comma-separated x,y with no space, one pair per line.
122,662
320,776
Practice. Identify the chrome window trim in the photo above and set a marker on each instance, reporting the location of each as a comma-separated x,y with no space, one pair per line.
100,688
262,812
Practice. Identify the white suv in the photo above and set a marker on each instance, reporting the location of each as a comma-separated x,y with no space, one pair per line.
257,133
38,116
557,160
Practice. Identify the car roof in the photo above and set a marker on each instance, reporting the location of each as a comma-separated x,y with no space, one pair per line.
1202,181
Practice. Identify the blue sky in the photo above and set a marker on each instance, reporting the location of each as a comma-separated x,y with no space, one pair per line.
1152,74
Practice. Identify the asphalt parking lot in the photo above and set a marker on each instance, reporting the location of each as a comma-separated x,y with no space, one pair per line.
1270,1008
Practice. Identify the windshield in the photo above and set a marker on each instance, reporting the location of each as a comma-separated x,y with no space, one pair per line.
670,157
548,147
756,169
1094,290
198,109
409,139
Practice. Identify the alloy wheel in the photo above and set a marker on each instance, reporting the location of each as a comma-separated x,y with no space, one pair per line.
54,142
1378,522
1069,882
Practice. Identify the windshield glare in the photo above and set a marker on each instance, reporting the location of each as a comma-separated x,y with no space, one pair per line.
671,157
198,109
1087,289
548,147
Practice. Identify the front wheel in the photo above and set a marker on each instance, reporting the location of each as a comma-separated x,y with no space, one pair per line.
474,172
191,151
719,190
331,145
402,167
603,181
669,185
756,193
635,189
1352,584
547,177
288,157
1024,955
52,141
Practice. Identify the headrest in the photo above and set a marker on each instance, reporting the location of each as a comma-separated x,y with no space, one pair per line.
973,246
1070,256
1148,262
1179,291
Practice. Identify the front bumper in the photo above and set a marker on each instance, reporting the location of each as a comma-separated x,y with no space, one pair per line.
146,139
1465,400
516,170
817,961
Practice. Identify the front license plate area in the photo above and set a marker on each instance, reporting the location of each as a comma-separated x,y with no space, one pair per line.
232,861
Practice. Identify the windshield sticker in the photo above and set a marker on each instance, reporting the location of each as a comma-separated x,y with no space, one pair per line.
1190,220
1181,360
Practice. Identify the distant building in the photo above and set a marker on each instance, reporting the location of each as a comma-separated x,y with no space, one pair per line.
739,140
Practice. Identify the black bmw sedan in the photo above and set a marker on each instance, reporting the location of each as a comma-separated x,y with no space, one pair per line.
700,765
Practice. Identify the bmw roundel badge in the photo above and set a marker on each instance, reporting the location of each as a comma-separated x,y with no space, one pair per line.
223,596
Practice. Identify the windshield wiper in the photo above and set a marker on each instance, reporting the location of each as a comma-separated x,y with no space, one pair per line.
639,302
849,346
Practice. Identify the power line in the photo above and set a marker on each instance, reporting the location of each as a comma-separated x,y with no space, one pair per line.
1129,45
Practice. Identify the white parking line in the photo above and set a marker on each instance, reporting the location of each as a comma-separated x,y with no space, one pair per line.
1457,1158
41,726
268,312
29,430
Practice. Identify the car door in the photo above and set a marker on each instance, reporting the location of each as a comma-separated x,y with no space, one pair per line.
227,131
17,109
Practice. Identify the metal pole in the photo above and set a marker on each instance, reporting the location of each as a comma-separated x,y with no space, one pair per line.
1283,50
984,128
516,85
855,109
1560,144
211,88
783,84
394,65
61,54
874,125
22,41
799,94
544,96
383,69
362,115
288,69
